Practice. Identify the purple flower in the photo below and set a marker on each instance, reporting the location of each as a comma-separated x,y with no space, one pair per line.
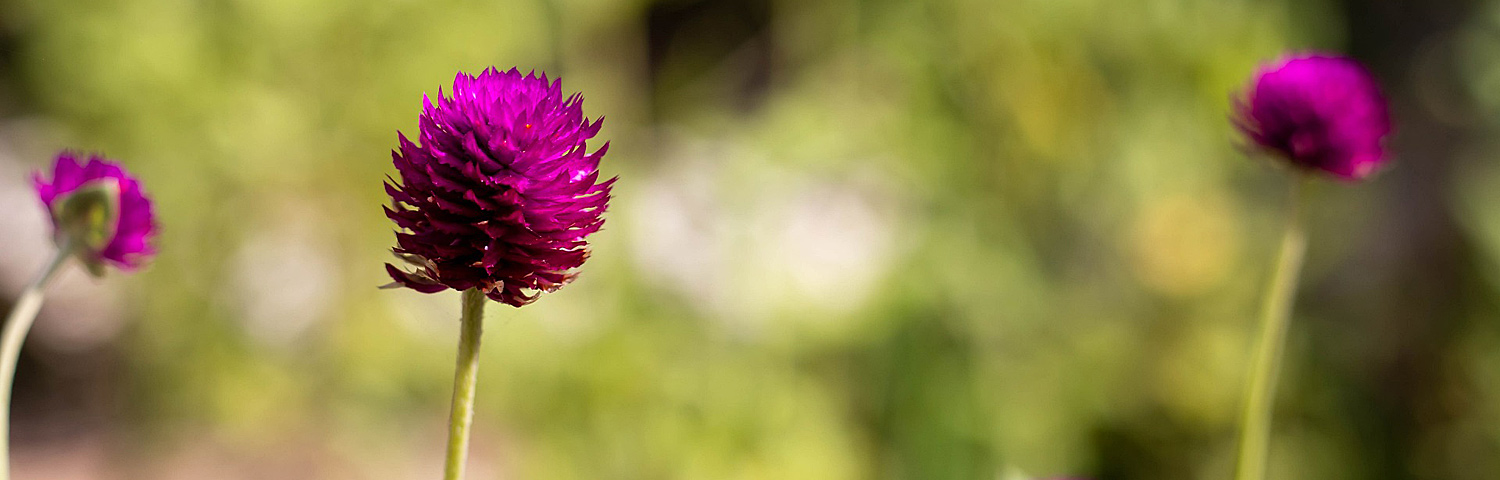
501,193
126,243
1319,112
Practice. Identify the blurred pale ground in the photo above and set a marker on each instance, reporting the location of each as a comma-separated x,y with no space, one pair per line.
952,239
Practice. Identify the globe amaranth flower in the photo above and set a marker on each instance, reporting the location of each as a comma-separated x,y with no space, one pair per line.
501,192
98,211
1320,113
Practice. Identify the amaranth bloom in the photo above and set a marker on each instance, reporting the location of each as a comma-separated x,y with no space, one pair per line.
501,192
1319,112
98,211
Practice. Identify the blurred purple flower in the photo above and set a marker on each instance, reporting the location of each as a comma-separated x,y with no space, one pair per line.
128,241
1319,112
501,193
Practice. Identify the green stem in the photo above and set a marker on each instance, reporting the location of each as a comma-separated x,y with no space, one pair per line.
16,325
464,378
1276,309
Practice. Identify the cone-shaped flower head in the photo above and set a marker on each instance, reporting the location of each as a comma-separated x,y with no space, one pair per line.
501,192
1320,113
99,211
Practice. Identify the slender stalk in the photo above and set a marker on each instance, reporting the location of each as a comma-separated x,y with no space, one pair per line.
14,333
1276,309
464,378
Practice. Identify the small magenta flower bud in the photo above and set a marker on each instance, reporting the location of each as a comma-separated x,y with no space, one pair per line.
98,212
1319,113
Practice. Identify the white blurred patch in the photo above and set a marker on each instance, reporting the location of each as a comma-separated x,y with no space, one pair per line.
832,243
682,233
81,312
283,276
24,229
747,241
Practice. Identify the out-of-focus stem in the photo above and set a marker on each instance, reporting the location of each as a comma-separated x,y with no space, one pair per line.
1276,309
12,336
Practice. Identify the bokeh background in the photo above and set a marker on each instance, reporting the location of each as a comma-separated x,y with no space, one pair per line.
852,239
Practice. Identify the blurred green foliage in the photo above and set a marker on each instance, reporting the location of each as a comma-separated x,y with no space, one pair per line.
852,239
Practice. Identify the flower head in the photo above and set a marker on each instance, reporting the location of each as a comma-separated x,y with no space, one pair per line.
1319,112
99,211
501,192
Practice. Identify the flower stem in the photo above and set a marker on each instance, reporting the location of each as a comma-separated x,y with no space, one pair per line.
16,325
464,377
1276,309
